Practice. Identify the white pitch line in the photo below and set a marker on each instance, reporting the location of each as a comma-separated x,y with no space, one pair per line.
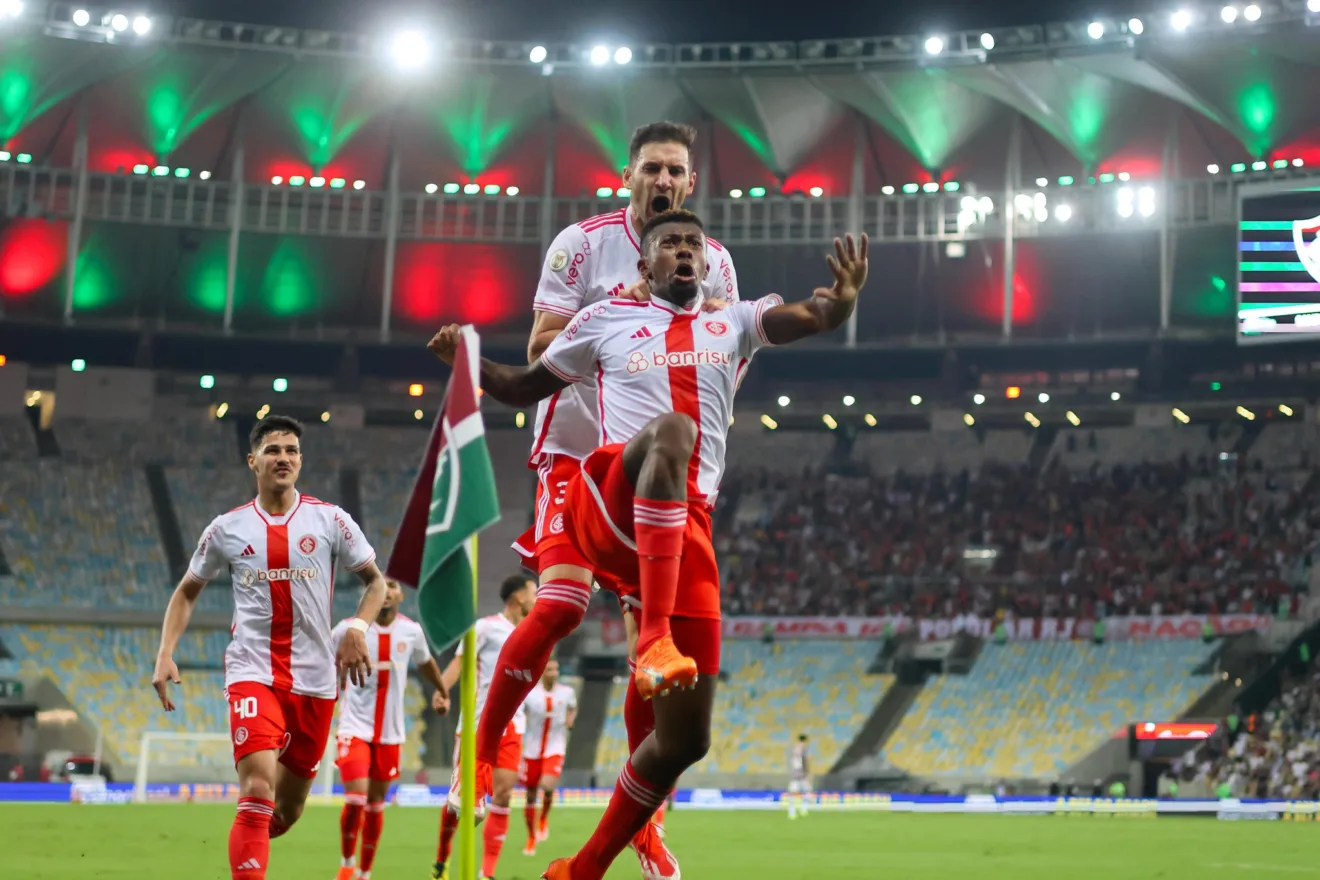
1286,869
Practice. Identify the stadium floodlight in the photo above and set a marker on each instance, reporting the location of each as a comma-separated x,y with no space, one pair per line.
1229,14
1125,202
1095,30
1251,13
417,414
1066,180
1181,416
1280,163
1042,181
359,184
934,45
623,192
297,180
1298,162
78,365
986,205
915,400
11,8
849,400
205,175
317,181
520,419
887,190
1285,409
829,421
471,189
181,172
161,171
537,55
222,409
770,423
784,400
869,419
1124,176
337,183
1246,413
410,50
511,190
1258,165
757,192
1146,201
1107,177
416,389
969,420
1136,26
1238,167
280,385
207,381
816,192
23,158
431,189
5,156
978,398
140,168
911,188
735,194
1062,213
325,416
451,189
81,17
1115,396
952,186
600,55
1072,417
604,192
1180,20
1313,5
987,41
1212,168
622,55
119,22
1032,420
1043,397
141,25
491,189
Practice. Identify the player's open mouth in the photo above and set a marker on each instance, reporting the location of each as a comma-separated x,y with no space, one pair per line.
660,204
685,272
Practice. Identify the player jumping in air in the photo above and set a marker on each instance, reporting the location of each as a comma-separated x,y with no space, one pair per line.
282,550
371,727
799,777
551,709
638,509
518,593
589,263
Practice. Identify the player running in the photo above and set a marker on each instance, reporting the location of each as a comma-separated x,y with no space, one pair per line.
799,777
518,593
282,550
371,727
638,509
551,709
589,263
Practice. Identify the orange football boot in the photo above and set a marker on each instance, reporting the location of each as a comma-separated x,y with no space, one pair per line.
661,668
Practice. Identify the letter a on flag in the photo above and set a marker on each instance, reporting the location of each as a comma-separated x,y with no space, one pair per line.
452,500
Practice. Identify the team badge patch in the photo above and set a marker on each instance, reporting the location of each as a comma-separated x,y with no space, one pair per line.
717,328
557,524
240,736
558,260
1306,237
307,544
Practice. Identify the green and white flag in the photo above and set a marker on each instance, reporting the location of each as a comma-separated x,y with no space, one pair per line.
453,499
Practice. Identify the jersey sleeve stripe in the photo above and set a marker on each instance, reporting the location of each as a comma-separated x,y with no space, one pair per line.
559,371
715,244
766,302
563,311
370,560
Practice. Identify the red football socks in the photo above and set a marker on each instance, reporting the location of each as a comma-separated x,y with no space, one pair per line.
547,801
494,830
350,820
659,528
529,814
638,713
277,827
631,806
249,839
560,607
448,825
372,825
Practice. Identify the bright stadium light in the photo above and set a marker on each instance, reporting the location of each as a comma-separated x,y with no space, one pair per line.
604,192
119,22
1095,30
207,382
622,55
816,192
78,365
1313,5
915,400
887,190
1062,213
1043,397
537,55
934,45
359,184
81,17
1181,20
600,55
1299,162
987,41
1229,14
161,171
1136,26
141,25
1212,168
1042,181
491,189
849,400
1125,202
205,175
11,8
784,400
1251,13
140,168
317,182
181,172
978,398
1146,201
452,189
337,182
511,190
471,189
276,180
431,189
1115,396
735,194
297,180
280,385
1258,165
410,50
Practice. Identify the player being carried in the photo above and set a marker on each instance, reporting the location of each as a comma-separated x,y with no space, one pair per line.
281,550
518,594
639,508
551,709
371,726
588,263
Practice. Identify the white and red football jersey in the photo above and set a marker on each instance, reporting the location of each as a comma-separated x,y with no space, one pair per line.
491,634
588,263
653,358
374,711
547,720
283,569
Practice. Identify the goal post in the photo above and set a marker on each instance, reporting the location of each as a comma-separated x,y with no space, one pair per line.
179,749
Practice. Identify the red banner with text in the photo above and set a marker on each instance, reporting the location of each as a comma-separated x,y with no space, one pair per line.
1182,626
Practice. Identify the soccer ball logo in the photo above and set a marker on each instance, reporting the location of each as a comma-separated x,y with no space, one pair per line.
717,328
307,544
637,363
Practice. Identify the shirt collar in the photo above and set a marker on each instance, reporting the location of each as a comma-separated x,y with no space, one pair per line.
677,310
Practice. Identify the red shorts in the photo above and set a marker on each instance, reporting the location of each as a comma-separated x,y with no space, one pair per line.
359,759
532,769
509,757
297,726
546,543
599,519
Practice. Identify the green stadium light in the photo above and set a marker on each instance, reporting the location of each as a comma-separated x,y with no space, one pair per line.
337,183
1066,180
208,382
1215,386
1107,177
1238,167
161,171
280,385
910,188
431,189
952,186
492,189
604,192
181,172
511,191
471,189
317,181
78,365
451,189
1280,163
623,192
140,169
1091,180
1258,165
24,158
757,192
297,180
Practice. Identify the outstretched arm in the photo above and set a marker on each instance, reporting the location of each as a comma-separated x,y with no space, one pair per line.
512,386
829,307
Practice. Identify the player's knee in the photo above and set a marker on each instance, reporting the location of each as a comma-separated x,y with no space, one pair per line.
289,813
675,434
258,787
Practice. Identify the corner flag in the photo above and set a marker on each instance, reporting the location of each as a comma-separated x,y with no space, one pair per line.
453,499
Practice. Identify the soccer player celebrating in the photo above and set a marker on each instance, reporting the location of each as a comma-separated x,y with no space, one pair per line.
518,593
588,263
281,550
371,726
638,509
799,777
551,709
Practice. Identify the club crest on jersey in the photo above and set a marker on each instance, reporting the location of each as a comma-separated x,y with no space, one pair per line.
307,544
558,260
240,736
400,648
717,328
638,363
1306,238
557,524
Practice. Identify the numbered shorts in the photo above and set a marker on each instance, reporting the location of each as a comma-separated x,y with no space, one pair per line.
600,520
297,726
532,769
509,757
359,759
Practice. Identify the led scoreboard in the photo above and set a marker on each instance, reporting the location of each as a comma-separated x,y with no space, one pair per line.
1278,262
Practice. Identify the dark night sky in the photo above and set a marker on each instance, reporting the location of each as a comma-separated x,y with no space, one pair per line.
669,21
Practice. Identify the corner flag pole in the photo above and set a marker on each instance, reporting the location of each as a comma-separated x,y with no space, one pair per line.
467,738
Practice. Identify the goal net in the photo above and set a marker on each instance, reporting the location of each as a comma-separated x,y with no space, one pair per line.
196,758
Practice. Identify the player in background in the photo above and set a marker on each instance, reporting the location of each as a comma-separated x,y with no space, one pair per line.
282,550
551,709
639,506
371,727
799,777
518,594
589,262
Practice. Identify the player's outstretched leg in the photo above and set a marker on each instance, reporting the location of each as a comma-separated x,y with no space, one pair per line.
639,721
657,461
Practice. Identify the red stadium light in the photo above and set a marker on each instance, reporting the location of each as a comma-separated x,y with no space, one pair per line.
1012,392
415,390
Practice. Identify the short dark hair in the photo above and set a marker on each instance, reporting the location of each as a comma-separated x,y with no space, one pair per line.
802,737
675,216
660,133
274,425
512,584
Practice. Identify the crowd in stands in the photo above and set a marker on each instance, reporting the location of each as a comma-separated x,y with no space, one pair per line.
1186,536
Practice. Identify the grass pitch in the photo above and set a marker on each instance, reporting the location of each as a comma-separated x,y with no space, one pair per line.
168,842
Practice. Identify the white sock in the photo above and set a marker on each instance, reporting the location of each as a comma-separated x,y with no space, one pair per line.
348,862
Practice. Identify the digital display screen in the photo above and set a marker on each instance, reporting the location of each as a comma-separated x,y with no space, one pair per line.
1279,266
1175,731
